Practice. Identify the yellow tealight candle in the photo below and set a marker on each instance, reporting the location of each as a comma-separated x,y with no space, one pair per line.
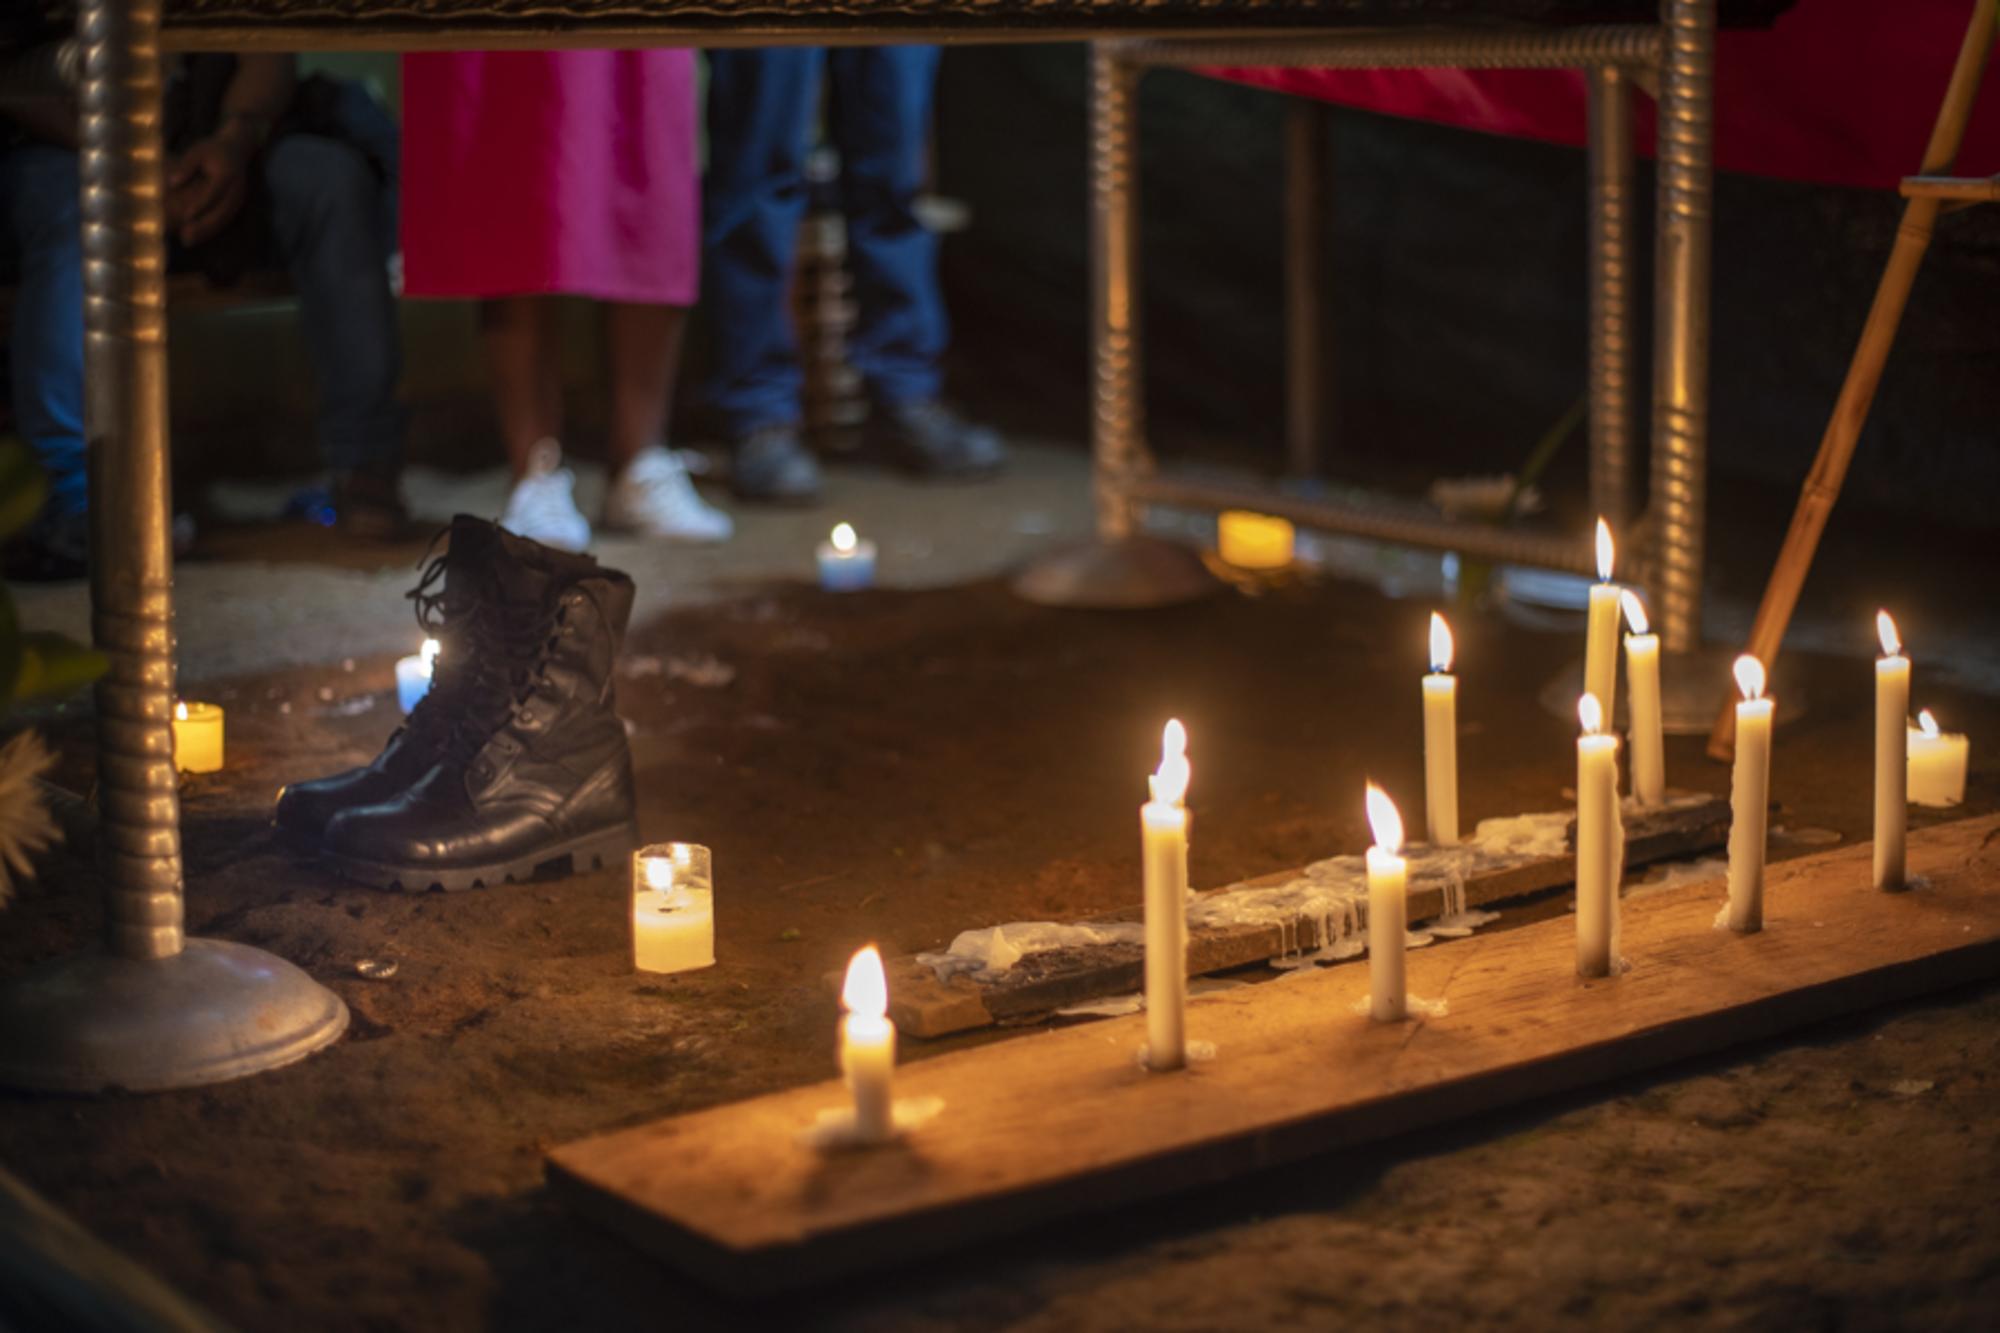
1253,541
1937,763
673,908
868,1048
197,737
1388,910
1892,776
1600,647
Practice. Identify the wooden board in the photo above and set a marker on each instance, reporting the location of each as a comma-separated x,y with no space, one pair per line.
1065,1121
925,1005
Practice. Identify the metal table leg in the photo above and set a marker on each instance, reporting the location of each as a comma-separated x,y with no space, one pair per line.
1613,348
153,1009
1122,568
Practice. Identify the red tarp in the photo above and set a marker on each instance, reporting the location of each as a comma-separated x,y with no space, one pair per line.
1837,91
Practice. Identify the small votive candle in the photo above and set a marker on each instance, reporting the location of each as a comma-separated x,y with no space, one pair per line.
846,563
197,737
1937,763
1253,541
413,675
673,908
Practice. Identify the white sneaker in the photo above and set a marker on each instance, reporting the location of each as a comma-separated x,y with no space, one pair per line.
542,505
654,498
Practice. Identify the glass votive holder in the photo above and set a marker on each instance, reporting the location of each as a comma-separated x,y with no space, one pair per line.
673,907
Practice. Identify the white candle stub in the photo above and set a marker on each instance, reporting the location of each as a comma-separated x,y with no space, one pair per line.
1388,910
846,562
1642,671
1163,829
1892,745
673,908
1441,738
1937,763
1749,799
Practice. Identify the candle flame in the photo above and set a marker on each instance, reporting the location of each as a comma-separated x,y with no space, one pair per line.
1885,629
866,992
1384,821
843,538
1590,713
1635,610
1605,551
429,652
659,874
180,712
1441,644
1169,785
1927,724
1749,676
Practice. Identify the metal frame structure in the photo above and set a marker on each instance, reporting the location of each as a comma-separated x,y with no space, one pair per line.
1122,568
156,1009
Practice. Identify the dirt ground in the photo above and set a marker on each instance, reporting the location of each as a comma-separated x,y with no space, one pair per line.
897,766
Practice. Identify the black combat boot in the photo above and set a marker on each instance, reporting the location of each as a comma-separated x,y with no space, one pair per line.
534,773
454,591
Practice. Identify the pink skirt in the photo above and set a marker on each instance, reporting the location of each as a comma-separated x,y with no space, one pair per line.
551,171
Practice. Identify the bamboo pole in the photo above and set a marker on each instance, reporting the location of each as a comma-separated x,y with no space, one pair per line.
1864,372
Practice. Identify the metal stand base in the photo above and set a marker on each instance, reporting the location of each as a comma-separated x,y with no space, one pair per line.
213,1012
1693,689
1123,575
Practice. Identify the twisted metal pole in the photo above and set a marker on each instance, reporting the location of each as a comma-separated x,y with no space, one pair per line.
1613,349
1680,316
125,411
1118,420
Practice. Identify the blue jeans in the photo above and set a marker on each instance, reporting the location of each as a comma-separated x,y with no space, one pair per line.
761,107
326,219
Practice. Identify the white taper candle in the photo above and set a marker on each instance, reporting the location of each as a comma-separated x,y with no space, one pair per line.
1388,910
1441,738
1892,724
1163,828
1749,799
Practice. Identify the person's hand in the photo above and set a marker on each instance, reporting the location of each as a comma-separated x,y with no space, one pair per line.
207,186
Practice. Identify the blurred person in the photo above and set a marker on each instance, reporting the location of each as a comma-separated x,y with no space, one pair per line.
261,167
535,173
762,106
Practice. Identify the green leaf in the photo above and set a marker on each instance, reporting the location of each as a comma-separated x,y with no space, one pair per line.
23,487
52,664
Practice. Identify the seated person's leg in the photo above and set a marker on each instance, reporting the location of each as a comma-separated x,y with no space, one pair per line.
325,204
38,189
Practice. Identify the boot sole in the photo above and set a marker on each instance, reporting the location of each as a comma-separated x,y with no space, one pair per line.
591,851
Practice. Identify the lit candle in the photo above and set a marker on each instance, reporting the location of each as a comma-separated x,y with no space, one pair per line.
846,563
1253,541
868,1048
1892,725
1749,799
673,908
1388,910
413,675
1600,649
1600,851
1441,738
1937,763
1642,668
1163,831
197,737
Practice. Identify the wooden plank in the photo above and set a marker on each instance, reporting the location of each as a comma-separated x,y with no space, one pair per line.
926,1005
1065,1121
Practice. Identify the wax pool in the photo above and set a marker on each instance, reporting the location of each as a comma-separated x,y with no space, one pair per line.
197,737
673,908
